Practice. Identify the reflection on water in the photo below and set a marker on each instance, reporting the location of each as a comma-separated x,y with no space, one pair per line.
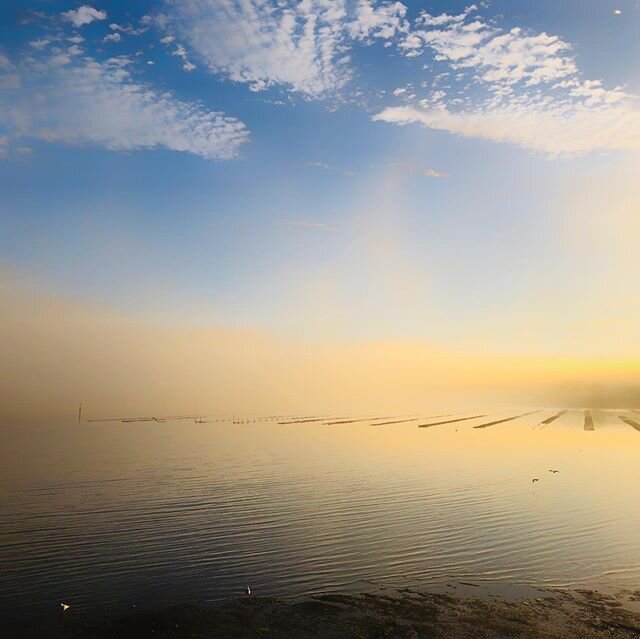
114,514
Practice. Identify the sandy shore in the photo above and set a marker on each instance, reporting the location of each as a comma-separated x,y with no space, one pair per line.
385,614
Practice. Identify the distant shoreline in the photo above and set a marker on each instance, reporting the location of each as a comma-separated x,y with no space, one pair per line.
561,614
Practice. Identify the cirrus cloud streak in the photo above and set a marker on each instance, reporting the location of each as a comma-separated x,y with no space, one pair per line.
556,130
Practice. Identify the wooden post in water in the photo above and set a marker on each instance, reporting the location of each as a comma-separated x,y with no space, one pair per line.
80,413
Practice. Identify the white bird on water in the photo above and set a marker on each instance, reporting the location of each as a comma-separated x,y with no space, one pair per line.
65,607
247,590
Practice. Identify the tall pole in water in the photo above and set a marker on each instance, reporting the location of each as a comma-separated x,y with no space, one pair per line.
80,413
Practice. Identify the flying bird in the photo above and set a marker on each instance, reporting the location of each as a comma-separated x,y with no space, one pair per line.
554,471
534,480
617,12
65,607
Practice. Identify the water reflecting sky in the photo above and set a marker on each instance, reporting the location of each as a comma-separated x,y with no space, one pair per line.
112,513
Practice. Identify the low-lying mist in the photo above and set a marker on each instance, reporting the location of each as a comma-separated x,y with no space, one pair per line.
56,353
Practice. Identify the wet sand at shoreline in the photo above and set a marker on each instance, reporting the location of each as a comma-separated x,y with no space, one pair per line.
387,613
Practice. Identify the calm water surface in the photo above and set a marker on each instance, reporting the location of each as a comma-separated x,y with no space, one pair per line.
111,514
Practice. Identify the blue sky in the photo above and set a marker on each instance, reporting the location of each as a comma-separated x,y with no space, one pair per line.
435,171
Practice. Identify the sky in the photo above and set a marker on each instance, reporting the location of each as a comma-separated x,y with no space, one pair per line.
384,189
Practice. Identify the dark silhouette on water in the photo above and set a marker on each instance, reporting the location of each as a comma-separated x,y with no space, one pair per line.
629,422
553,418
588,421
304,420
450,421
507,419
400,421
361,419
163,418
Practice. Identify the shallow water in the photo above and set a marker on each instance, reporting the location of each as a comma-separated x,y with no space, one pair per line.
112,514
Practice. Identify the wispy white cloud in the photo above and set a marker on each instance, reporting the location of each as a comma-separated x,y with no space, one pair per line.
181,53
409,168
494,56
128,29
480,81
432,173
426,19
378,20
302,46
515,86
60,59
40,43
80,101
557,129
83,15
